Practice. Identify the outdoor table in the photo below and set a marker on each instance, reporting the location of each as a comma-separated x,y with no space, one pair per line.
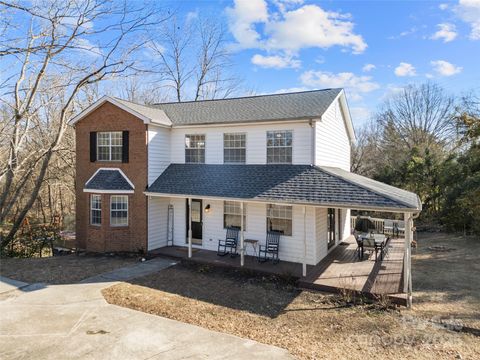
253,243
373,241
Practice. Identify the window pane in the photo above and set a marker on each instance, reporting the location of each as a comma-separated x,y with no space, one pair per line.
234,151
119,210
195,149
95,209
109,146
279,218
279,147
231,214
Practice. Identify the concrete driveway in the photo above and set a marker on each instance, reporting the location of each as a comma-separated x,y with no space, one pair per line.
75,322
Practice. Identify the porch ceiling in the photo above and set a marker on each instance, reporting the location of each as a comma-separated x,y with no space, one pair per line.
293,184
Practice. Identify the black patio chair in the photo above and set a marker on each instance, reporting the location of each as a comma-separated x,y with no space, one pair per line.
229,245
270,249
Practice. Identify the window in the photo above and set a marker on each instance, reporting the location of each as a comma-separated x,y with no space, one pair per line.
119,210
279,218
330,228
234,148
232,213
279,147
195,149
95,209
109,146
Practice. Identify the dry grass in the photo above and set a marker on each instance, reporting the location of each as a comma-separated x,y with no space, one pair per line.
308,324
66,269
446,283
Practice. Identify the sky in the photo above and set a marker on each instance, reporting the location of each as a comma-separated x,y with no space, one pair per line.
370,48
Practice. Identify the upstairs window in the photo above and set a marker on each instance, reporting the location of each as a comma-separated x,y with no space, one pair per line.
109,146
232,215
95,209
234,149
279,218
279,147
119,210
195,149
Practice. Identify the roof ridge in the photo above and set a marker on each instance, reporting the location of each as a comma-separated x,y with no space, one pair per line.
244,97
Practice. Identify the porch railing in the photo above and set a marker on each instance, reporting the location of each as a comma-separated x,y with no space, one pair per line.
379,224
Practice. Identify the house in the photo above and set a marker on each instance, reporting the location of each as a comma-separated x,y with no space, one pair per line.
180,173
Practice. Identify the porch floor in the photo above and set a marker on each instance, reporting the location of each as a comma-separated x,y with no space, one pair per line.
340,269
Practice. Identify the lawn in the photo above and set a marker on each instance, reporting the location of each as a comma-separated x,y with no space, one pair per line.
67,269
315,325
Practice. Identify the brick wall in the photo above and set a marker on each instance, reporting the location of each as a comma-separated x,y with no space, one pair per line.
105,238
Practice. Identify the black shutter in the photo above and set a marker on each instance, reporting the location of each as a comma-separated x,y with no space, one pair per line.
125,146
93,146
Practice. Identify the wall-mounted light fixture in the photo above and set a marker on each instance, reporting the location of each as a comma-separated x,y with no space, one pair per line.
207,208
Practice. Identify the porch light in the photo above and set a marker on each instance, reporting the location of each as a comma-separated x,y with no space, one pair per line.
207,208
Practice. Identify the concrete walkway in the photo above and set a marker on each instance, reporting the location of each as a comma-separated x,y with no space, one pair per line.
75,322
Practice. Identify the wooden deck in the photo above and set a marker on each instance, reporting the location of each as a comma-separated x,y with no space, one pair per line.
339,270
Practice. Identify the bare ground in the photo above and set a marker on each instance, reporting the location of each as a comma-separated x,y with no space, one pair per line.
67,269
315,325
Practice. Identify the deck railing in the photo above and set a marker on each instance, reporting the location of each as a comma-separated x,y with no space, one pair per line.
379,224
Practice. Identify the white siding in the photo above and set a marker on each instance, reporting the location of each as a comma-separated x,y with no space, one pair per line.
158,151
332,145
256,138
157,222
291,247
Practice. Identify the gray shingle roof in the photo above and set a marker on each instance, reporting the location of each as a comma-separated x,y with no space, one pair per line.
296,184
300,105
108,179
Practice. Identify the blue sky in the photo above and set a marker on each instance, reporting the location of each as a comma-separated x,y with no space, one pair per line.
371,48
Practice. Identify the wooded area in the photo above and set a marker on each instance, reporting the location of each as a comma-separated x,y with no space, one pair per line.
422,139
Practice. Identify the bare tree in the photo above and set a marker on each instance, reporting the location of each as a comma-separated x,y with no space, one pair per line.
193,60
64,48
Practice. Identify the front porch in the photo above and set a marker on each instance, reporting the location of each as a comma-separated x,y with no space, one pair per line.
339,271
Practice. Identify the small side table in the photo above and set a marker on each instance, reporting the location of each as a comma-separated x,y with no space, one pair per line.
253,243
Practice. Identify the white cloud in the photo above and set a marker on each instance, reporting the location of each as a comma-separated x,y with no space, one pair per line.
191,15
368,67
291,29
405,69
242,19
446,31
275,61
87,47
443,6
355,85
360,114
469,12
445,68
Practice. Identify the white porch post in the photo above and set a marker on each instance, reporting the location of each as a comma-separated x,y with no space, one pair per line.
242,245
407,268
304,264
189,227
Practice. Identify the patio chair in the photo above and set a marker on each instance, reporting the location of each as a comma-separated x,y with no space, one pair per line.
229,245
400,227
270,249
388,227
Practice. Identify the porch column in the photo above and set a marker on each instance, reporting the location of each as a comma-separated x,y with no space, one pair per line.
407,268
242,245
304,264
189,227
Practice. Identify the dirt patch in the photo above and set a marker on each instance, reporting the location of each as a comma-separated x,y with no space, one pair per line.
66,269
446,283
308,324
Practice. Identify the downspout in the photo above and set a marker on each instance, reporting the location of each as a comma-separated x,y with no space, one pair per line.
312,124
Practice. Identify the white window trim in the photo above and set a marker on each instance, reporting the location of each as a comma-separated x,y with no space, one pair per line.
118,225
282,218
91,210
267,147
244,214
109,145
235,148
204,148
